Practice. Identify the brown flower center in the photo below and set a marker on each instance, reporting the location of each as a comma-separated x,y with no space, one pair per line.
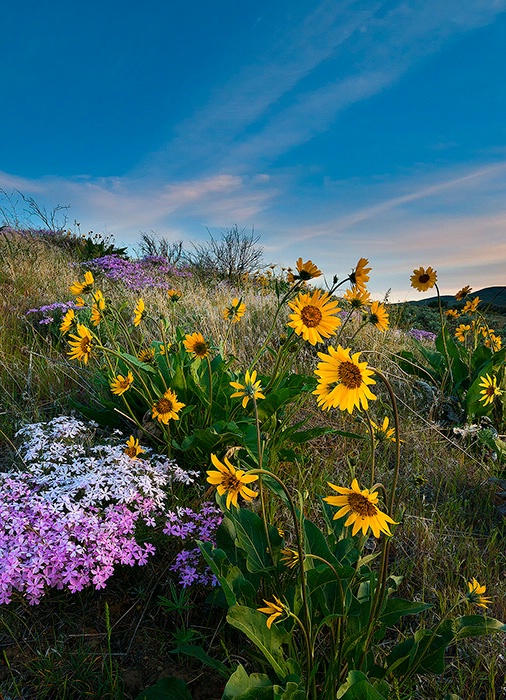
231,482
131,452
362,505
85,345
164,406
311,316
423,279
200,348
350,375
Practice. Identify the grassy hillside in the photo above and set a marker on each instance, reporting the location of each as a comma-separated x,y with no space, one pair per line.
89,624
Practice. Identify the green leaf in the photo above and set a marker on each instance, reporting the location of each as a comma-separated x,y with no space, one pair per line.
171,688
215,559
269,641
240,686
475,626
197,652
251,537
396,608
421,653
325,592
357,687
132,360
456,355
292,691
315,543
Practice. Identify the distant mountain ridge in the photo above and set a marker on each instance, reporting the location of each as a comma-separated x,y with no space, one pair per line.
488,295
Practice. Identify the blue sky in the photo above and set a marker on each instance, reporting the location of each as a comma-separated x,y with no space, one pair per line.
338,129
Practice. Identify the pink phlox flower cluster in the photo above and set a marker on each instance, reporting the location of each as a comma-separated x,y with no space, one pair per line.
190,526
70,516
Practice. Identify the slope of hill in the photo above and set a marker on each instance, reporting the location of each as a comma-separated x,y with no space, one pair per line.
489,295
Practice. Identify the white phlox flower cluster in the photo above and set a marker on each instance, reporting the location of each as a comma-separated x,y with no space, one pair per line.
60,458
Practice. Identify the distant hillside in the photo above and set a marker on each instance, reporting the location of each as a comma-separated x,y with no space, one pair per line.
490,295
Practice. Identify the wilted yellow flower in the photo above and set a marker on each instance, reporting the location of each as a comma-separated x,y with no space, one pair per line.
97,307
344,381
231,481
139,312
235,311
475,594
361,509
133,448
79,301
81,344
314,316
174,295
490,389
250,389
462,293
357,298
273,609
471,306
83,287
121,384
167,407
423,279
462,331
306,271
494,342
360,275
383,433
147,355
196,344
68,321
378,316
452,313
99,299
290,557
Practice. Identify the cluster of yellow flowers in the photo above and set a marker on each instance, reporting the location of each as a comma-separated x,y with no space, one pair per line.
422,280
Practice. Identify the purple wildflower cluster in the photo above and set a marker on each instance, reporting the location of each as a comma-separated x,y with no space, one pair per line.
420,335
150,271
70,516
190,526
49,311
40,546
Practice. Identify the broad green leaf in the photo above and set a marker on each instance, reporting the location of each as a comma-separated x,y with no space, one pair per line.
269,641
215,559
456,355
396,608
240,686
132,360
315,543
291,691
358,687
325,591
252,539
475,626
423,652
171,688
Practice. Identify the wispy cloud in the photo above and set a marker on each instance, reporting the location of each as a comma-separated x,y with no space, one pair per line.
453,220
351,53
127,205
